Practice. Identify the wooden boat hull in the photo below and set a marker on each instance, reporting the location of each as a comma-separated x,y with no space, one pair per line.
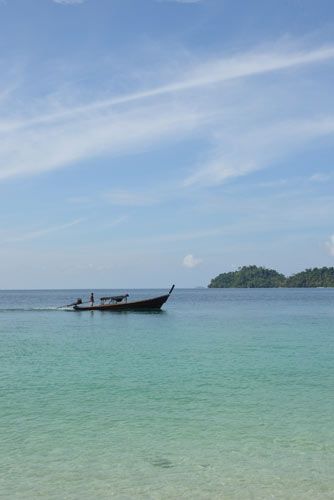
154,303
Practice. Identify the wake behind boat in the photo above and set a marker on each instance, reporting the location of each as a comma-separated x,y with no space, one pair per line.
120,303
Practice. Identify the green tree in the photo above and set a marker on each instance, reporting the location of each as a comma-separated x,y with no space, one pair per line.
312,278
260,277
249,277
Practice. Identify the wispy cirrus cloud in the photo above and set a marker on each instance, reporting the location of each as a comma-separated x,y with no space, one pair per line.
46,148
180,1
173,237
172,111
80,200
38,234
319,177
255,150
200,75
69,2
118,221
184,236
125,198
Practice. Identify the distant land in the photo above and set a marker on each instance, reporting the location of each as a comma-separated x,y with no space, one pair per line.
260,277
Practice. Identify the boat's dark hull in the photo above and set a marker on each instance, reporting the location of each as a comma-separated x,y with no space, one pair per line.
154,303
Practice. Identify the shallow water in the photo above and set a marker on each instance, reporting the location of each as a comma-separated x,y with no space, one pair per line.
224,394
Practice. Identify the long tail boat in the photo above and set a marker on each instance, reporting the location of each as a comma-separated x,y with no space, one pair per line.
120,303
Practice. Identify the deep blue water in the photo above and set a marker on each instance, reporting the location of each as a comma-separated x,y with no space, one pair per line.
224,394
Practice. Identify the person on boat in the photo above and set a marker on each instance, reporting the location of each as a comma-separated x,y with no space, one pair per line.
92,299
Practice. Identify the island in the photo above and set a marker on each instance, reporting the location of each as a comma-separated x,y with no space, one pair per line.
260,277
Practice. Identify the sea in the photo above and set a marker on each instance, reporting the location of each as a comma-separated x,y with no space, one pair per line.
224,394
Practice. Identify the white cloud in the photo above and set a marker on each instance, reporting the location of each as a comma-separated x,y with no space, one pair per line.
45,148
273,184
198,100
68,2
172,237
319,177
37,234
180,1
80,200
219,170
330,245
187,236
117,222
120,197
190,261
262,145
201,75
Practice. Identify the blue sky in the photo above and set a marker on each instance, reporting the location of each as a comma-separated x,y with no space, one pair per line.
151,142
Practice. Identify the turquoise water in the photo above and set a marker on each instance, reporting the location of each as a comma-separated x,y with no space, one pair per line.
224,394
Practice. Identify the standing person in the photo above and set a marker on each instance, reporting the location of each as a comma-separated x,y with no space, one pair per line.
92,299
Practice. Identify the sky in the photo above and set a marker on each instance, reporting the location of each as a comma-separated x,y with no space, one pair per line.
151,142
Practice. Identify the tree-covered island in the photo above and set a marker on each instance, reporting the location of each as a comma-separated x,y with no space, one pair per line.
260,277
